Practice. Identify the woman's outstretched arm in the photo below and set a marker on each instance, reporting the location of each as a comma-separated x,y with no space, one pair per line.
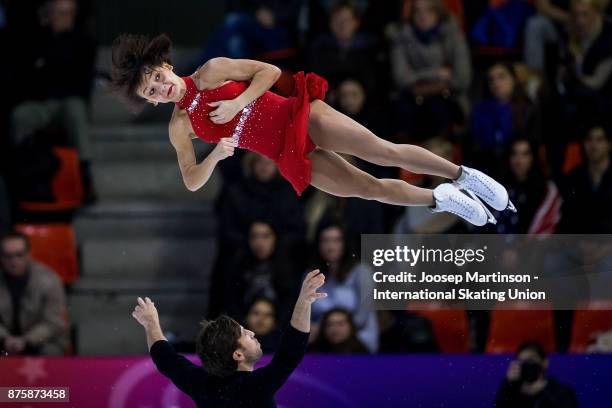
196,175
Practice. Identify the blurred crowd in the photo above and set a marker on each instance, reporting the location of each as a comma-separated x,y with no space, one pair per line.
521,89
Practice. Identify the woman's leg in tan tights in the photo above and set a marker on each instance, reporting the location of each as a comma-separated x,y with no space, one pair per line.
334,175
331,130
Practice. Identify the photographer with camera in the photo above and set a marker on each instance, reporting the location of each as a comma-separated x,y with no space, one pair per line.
527,383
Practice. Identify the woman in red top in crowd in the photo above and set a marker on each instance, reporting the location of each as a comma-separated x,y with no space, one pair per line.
228,102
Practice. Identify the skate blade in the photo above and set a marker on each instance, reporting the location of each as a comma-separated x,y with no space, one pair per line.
511,206
490,218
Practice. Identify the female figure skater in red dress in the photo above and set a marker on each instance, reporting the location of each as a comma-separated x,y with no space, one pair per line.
228,102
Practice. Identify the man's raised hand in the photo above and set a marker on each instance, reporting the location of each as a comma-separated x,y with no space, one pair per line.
145,312
313,281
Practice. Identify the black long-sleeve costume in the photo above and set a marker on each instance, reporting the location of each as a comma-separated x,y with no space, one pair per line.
242,388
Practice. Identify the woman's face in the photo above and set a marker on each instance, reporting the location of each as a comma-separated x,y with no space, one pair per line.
521,159
262,240
331,246
260,318
338,328
501,83
351,97
425,16
264,169
161,85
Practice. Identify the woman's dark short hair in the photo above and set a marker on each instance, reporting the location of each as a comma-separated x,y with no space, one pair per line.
134,55
215,345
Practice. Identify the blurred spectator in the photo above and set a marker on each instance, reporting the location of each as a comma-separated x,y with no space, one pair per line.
528,384
263,271
585,78
337,334
502,24
537,199
260,29
346,52
359,216
261,195
261,320
587,191
505,115
355,103
56,81
317,13
32,302
402,332
420,220
544,29
431,69
343,284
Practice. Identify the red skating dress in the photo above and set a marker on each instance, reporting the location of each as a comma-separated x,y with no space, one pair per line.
271,125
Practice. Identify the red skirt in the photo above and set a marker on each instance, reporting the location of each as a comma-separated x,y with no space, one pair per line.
293,162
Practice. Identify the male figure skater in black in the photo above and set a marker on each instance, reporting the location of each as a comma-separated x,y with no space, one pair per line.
228,352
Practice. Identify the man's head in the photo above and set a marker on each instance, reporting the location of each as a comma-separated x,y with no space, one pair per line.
261,318
142,72
533,360
15,253
224,346
597,145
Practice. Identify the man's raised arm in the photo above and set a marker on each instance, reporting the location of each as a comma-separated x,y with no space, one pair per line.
292,346
300,319
182,372
146,314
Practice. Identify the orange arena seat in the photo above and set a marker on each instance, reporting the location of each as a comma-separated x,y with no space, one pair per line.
450,325
521,322
55,246
590,318
573,157
67,184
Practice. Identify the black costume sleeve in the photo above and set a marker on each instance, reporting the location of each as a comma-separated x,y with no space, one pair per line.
182,372
289,354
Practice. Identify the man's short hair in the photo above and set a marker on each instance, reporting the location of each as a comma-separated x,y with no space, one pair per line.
532,346
16,235
216,343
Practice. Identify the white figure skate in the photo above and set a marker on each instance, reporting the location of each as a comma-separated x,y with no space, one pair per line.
450,199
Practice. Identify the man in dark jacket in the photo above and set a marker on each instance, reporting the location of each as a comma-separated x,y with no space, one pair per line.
228,351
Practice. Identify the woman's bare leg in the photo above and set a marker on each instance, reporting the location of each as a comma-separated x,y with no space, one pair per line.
332,130
334,175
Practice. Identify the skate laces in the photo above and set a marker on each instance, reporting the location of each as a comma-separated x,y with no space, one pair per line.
474,180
